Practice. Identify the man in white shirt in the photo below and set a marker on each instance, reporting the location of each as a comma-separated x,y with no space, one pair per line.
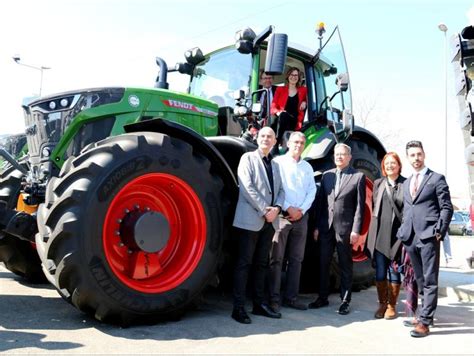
300,189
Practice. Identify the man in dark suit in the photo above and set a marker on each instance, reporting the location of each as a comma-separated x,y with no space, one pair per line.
261,197
427,212
266,82
339,215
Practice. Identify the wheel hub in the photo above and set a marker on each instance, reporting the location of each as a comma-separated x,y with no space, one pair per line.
152,232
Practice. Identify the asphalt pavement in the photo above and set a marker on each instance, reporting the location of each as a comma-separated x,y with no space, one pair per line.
35,319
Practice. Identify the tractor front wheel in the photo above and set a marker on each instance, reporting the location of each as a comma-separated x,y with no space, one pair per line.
132,229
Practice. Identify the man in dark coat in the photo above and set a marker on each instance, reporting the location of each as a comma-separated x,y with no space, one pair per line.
339,215
426,215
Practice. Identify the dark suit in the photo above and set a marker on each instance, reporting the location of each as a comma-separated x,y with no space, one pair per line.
336,217
425,216
266,101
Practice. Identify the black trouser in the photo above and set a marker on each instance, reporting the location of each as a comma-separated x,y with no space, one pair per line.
327,243
253,250
286,122
424,256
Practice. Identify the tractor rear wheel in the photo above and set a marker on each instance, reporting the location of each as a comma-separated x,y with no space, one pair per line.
131,231
19,256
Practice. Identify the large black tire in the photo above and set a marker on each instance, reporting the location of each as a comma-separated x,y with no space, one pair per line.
364,159
19,256
95,265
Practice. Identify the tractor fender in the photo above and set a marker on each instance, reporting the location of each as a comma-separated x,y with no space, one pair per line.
324,143
198,142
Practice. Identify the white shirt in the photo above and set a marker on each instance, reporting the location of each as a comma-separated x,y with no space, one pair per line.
421,175
298,182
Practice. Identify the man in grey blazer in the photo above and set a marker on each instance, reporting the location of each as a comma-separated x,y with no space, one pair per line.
339,215
427,211
261,196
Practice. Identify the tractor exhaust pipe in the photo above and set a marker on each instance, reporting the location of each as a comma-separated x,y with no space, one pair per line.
162,75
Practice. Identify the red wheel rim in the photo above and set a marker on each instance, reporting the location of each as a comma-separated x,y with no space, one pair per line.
358,254
169,267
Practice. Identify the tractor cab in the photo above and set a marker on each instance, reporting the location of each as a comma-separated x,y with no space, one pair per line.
230,78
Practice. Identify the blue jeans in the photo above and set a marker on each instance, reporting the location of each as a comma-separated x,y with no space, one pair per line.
382,266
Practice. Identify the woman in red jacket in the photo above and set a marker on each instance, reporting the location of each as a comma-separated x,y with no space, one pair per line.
289,103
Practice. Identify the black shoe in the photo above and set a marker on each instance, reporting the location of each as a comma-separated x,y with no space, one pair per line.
241,316
344,308
275,306
318,303
294,304
265,310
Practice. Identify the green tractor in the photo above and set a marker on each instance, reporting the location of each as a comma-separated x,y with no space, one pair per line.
127,194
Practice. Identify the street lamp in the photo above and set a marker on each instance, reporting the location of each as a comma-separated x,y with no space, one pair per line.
443,28
41,69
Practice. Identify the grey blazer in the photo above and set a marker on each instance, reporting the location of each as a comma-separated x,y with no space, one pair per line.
255,192
344,211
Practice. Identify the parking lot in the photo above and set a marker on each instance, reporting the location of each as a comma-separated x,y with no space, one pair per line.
36,320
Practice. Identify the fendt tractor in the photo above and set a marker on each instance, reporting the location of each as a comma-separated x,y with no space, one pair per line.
125,199
462,50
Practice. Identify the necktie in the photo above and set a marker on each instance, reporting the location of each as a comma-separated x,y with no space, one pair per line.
338,181
265,101
414,189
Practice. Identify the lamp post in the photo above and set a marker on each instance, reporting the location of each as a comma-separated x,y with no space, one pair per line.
443,28
17,60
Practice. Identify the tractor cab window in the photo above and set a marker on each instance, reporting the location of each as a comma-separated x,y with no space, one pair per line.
220,75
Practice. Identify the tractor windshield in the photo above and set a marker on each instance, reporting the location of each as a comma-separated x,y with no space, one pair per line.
331,64
220,75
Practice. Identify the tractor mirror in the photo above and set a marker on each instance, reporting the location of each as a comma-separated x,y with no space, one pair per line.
347,122
276,54
342,81
340,123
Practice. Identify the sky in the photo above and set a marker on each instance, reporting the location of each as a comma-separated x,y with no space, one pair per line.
394,49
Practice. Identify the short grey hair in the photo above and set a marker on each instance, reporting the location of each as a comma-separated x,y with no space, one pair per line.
296,134
347,147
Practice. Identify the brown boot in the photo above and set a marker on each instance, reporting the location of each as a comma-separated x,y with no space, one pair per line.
394,290
382,292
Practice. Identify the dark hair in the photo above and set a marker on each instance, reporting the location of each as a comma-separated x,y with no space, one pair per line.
395,157
292,69
414,143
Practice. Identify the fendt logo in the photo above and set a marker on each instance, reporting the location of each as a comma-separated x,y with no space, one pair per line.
188,106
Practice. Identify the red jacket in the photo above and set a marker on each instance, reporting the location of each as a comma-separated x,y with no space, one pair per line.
280,98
